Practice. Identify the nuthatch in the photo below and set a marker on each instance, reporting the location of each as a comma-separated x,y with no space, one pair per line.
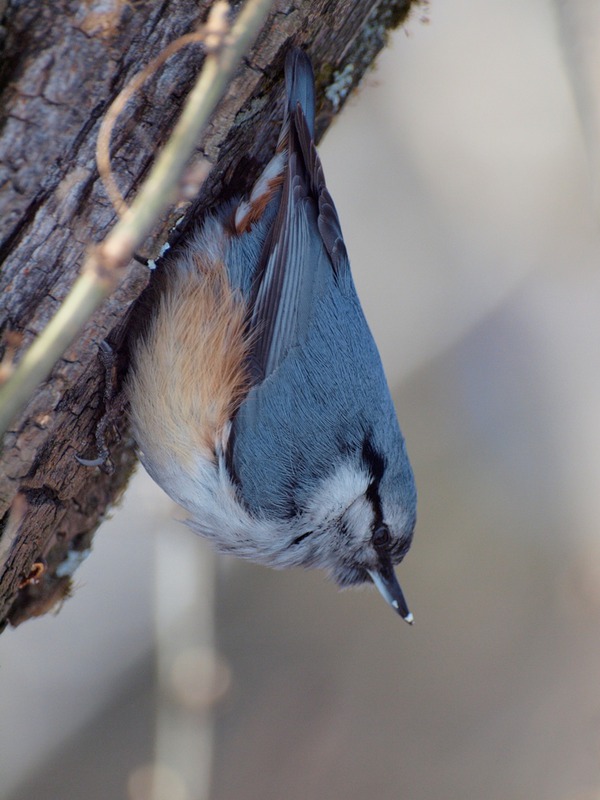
258,398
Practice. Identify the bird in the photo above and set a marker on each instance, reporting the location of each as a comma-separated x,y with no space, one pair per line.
257,396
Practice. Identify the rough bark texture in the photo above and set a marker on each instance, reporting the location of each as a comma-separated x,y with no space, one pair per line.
63,63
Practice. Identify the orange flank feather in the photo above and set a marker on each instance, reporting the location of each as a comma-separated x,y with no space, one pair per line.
190,375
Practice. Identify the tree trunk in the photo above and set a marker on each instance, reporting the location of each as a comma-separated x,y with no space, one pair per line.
63,64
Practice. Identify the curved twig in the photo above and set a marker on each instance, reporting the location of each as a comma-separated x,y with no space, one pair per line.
105,264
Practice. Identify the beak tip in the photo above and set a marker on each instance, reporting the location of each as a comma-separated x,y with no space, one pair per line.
386,582
404,613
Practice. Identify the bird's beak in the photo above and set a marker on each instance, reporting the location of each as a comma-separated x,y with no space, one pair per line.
385,580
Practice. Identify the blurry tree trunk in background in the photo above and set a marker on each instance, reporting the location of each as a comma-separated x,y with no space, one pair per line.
62,65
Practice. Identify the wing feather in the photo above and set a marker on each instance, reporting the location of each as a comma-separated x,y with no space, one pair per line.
305,239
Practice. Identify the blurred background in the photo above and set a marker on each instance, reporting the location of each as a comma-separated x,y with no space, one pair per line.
465,175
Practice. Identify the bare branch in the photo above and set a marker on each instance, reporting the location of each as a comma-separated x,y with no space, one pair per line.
104,266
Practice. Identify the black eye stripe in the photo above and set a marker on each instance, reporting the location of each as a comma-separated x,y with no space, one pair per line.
373,460
372,495
375,463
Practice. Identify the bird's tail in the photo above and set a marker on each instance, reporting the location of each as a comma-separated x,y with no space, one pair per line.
300,89
300,85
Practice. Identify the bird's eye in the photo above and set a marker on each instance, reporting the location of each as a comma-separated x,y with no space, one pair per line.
381,537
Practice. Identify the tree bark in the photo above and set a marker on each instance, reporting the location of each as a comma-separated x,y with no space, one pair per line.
63,64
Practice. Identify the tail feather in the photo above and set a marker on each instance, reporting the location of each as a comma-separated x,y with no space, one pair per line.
300,85
300,89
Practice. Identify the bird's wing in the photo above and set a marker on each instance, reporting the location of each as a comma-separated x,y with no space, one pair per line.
304,240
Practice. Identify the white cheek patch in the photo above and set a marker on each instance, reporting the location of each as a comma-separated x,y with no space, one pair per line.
359,518
344,488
